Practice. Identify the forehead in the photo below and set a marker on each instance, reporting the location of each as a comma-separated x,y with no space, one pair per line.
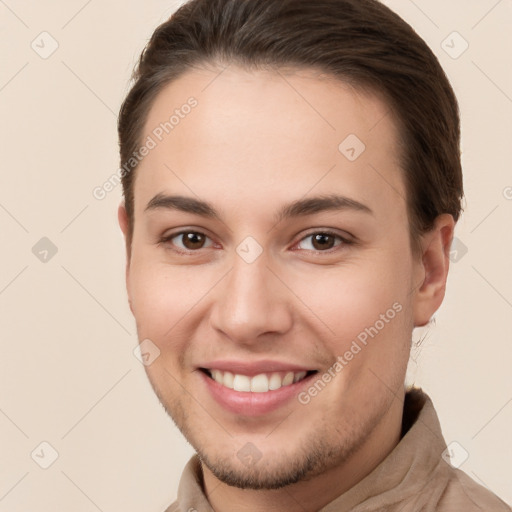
268,135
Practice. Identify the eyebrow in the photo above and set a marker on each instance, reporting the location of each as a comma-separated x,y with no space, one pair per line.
300,207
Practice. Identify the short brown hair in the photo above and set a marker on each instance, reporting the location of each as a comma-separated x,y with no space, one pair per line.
361,42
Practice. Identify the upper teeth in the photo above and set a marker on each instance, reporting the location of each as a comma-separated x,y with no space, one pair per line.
259,383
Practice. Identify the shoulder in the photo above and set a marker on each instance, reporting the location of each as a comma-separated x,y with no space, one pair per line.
463,493
173,508
436,485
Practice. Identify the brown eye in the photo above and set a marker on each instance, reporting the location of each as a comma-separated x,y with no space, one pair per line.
187,240
192,240
322,241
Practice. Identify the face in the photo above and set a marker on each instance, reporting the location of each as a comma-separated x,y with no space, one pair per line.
271,267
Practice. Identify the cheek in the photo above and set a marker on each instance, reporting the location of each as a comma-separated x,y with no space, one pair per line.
160,297
160,302
349,300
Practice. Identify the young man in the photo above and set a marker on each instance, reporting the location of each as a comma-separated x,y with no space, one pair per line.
292,179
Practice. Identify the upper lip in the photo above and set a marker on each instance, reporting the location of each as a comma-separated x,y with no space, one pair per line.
251,368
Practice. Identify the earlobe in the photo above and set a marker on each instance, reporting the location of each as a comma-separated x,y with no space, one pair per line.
433,269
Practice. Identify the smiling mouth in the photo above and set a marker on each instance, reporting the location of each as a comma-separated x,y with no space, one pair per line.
261,383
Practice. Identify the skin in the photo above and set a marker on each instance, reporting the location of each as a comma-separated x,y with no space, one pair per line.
256,141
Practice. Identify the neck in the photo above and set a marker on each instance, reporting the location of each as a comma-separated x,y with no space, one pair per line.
314,493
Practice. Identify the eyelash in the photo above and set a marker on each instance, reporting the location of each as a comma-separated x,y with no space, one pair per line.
344,241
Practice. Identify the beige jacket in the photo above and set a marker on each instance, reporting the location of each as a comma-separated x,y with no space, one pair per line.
414,477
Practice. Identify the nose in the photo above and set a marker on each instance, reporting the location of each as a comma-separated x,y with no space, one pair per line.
250,302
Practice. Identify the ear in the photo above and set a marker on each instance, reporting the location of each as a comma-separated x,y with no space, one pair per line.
432,270
122,218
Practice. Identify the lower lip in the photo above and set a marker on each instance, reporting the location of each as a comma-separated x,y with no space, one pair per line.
250,403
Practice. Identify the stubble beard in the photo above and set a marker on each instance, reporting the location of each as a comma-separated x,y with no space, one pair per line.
326,447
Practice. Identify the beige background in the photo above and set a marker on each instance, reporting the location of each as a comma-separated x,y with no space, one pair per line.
68,375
